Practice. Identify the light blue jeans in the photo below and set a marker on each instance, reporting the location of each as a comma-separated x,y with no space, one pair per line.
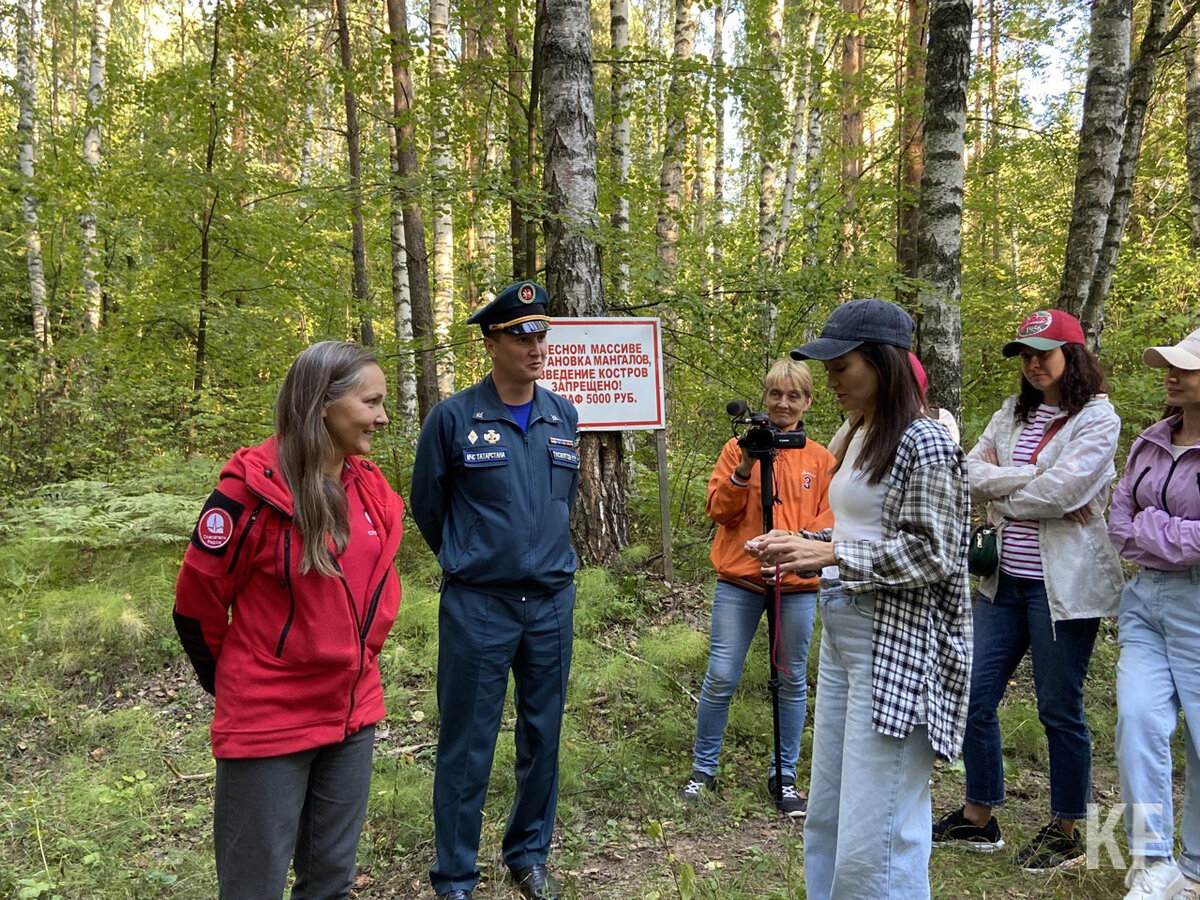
735,616
1157,675
867,833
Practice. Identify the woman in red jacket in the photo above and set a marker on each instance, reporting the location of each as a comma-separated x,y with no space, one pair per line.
284,600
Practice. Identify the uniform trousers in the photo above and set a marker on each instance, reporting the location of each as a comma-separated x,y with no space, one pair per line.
482,637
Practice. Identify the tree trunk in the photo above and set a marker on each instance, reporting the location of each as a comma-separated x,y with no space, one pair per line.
670,180
407,178
89,252
621,140
600,526
310,40
910,162
812,153
406,382
441,90
26,148
853,12
770,124
1192,59
718,191
1155,41
796,153
361,291
519,234
200,365
1099,154
939,240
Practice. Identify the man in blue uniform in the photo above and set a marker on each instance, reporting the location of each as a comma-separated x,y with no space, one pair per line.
493,486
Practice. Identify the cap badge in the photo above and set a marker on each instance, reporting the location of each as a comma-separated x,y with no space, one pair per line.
1036,323
554,417
526,293
491,436
472,436
478,414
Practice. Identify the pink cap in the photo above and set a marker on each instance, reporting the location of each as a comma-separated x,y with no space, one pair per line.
919,371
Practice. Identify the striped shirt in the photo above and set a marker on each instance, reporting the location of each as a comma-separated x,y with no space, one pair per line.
1019,553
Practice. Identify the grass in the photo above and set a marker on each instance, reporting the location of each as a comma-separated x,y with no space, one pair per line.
106,787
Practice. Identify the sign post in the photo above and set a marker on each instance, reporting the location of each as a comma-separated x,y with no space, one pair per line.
611,369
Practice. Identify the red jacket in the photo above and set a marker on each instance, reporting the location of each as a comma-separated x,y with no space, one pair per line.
290,658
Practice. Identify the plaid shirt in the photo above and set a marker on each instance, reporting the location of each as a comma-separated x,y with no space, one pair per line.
921,634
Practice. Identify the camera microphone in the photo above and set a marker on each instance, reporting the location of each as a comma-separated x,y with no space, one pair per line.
737,408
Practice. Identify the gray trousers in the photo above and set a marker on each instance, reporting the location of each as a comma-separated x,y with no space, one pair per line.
306,808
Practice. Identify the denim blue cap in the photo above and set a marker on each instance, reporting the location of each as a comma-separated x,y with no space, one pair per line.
858,322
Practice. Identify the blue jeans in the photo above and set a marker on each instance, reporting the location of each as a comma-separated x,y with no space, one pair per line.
867,833
1016,620
735,616
1159,674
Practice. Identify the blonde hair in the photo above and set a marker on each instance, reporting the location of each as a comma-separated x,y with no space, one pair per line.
320,376
789,369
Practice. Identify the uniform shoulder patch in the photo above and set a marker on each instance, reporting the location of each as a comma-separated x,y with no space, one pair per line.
218,519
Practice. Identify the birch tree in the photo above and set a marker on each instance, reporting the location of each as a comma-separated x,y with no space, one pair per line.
407,175
853,12
26,152
600,526
441,92
1100,138
89,252
1156,38
622,123
939,240
910,81
812,152
670,179
796,148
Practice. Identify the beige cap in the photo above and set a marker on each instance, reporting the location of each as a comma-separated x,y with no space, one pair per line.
1184,355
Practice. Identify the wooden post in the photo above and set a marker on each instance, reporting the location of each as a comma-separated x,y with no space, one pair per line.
664,502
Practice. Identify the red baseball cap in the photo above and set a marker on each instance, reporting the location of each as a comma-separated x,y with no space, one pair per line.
1045,330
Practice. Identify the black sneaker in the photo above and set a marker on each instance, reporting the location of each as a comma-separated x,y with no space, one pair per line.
790,802
690,792
1051,849
956,830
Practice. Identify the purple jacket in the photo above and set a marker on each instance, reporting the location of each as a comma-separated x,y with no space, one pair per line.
1154,519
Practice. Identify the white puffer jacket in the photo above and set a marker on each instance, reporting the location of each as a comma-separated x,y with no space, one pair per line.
1074,469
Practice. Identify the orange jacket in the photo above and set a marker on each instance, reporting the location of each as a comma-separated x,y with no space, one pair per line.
802,486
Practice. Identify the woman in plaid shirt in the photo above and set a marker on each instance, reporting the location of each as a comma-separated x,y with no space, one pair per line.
896,643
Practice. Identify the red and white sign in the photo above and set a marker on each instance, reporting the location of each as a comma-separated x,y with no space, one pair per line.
611,369
215,529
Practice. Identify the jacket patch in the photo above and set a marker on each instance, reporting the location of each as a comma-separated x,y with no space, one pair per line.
214,530
492,456
564,457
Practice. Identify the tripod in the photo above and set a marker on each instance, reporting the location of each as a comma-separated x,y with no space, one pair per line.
766,459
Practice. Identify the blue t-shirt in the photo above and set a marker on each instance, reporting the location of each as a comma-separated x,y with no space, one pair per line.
520,414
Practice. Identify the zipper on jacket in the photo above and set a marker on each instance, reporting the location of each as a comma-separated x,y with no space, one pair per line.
1138,483
1165,507
287,574
245,534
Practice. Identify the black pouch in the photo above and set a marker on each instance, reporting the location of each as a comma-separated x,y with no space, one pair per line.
983,554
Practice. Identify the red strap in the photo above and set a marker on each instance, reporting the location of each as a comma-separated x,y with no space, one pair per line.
775,645
1050,432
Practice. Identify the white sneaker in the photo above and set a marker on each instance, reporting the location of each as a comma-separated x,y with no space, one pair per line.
1160,880
1190,890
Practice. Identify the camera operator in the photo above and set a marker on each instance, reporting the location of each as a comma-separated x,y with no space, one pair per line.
801,486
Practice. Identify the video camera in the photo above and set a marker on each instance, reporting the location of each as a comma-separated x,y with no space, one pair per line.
760,438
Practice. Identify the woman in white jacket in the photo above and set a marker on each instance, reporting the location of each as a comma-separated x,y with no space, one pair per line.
1043,466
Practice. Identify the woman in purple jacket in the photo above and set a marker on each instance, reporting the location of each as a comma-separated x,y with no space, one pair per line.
1154,521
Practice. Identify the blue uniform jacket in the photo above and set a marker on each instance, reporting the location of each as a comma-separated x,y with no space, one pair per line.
493,502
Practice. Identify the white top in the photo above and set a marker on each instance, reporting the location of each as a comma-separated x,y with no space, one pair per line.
857,506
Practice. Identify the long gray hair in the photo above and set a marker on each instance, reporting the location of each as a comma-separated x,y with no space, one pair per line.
320,376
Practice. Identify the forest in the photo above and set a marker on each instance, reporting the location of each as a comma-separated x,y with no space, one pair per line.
194,191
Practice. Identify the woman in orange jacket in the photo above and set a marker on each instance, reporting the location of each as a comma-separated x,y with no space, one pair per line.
801,483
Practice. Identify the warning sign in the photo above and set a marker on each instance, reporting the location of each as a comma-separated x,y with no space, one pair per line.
611,369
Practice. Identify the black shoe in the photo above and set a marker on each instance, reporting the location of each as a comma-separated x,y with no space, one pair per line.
535,882
455,895
690,792
790,803
956,830
1051,849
